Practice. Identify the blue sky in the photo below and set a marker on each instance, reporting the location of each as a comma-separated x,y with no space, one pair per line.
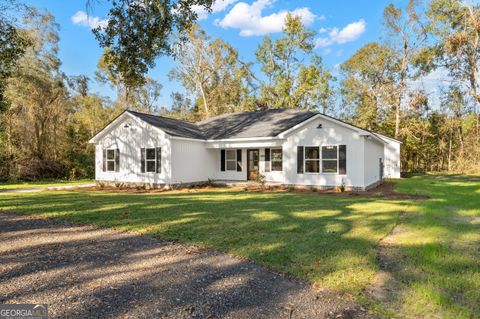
343,26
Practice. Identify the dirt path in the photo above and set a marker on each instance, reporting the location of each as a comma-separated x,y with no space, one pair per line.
385,287
87,272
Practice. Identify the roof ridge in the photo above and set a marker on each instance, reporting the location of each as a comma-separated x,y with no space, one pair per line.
257,111
163,117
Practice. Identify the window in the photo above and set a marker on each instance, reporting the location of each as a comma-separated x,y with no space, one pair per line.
329,159
111,160
334,159
312,160
231,160
276,159
151,160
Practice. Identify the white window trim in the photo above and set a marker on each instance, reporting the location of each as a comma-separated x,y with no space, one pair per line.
110,160
320,165
271,161
150,160
230,160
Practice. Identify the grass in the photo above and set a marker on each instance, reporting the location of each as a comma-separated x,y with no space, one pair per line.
41,183
440,242
332,241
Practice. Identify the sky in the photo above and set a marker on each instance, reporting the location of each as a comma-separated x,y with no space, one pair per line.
342,26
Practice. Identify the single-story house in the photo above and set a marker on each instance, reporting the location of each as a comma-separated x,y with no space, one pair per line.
285,146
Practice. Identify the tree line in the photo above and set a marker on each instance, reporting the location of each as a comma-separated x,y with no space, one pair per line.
47,117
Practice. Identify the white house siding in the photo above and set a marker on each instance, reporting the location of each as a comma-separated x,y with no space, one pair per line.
191,161
217,174
374,151
392,159
129,141
330,134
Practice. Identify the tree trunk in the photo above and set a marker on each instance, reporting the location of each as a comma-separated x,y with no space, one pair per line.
205,104
401,89
449,167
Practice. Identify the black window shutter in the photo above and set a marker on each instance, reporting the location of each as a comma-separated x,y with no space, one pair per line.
267,160
104,165
117,160
239,160
222,160
342,159
159,159
300,159
142,159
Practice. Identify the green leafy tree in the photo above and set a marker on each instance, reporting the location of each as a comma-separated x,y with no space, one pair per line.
212,70
454,27
369,77
142,97
295,76
38,98
139,31
12,47
406,35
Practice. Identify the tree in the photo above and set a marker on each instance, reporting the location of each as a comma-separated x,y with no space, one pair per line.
38,92
406,30
455,47
146,96
291,82
368,80
142,97
212,70
139,31
315,90
455,26
12,47
181,105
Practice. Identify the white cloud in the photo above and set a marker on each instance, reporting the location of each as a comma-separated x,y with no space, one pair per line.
217,6
83,19
348,34
323,30
248,18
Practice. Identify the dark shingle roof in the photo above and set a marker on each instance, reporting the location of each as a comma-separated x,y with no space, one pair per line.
268,123
253,124
171,126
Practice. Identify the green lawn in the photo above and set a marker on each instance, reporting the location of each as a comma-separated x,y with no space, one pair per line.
330,240
42,183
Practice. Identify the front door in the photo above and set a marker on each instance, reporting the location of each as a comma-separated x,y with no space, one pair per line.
252,164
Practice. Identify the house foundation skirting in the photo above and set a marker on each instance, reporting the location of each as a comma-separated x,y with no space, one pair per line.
373,185
143,185
223,183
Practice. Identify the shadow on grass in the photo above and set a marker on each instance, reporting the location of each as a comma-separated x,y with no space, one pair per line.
84,272
331,241
436,249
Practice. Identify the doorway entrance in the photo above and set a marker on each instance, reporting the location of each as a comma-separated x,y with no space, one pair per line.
253,157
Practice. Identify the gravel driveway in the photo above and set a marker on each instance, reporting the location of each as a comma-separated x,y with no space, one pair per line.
86,272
